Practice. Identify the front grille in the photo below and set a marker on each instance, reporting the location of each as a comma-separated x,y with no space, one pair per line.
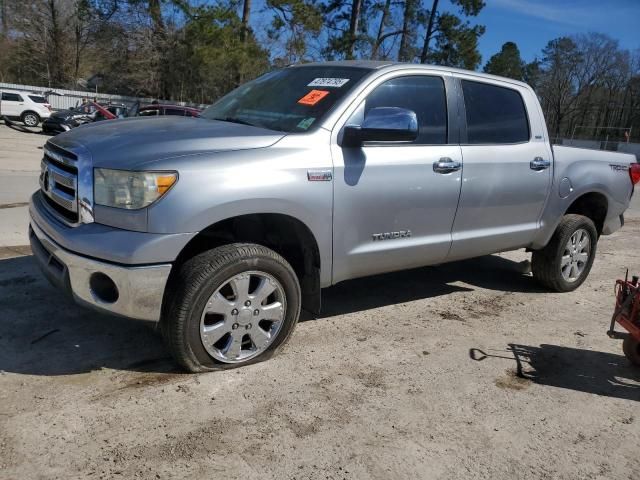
59,181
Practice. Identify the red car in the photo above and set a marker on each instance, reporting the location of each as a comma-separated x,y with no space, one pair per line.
154,110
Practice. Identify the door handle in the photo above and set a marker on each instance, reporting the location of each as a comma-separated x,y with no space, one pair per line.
539,164
446,165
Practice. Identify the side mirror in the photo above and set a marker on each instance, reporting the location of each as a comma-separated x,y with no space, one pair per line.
383,124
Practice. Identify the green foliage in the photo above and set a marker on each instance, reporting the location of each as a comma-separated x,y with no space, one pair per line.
347,24
408,49
456,43
215,57
507,63
469,8
294,22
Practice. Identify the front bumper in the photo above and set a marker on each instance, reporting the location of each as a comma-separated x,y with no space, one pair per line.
138,293
52,126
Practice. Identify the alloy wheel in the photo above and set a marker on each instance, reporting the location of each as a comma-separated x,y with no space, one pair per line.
576,255
30,120
243,317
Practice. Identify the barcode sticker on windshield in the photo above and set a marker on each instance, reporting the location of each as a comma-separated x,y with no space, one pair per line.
328,82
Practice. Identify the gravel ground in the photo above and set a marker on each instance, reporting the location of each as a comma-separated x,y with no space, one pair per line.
20,155
406,375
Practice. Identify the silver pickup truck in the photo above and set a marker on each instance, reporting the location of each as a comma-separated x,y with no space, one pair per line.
220,229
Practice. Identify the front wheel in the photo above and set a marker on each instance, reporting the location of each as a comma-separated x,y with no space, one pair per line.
564,264
230,306
30,119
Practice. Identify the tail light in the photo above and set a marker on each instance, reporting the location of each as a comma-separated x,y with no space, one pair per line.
48,106
634,172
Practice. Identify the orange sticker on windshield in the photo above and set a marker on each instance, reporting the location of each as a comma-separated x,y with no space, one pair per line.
313,97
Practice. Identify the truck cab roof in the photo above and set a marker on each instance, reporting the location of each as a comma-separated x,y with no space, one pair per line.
388,65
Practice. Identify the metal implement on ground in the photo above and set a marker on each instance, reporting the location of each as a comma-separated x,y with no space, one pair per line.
627,315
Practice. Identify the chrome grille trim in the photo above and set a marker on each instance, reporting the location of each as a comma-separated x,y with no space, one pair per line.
66,179
64,200
59,183
58,157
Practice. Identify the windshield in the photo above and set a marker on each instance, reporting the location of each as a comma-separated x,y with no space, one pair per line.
287,100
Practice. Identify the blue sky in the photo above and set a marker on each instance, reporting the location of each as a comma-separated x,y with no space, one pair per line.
532,23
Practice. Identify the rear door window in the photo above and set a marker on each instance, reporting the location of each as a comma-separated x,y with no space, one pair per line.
11,97
495,114
37,99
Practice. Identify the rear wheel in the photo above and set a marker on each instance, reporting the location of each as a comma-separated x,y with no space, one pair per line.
30,119
631,349
230,306
564,264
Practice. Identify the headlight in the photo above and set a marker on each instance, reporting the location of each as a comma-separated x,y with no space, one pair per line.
130,190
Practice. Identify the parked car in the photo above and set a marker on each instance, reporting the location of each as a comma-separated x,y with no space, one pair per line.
220,229
65,120
155,110
28,107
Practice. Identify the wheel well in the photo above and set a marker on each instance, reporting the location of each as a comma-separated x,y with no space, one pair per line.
591,205
281,233
29,111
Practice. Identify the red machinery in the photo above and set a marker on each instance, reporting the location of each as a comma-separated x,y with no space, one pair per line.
627,314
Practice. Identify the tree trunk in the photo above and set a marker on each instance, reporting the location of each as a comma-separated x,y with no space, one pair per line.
76,71
403,54
244,33
155,12
356,7
246,12
379,39
4,15
429,34
55,59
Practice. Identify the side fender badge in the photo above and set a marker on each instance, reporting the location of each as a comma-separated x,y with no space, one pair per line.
391,235
319,175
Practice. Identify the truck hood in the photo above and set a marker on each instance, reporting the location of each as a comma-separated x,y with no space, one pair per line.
135,143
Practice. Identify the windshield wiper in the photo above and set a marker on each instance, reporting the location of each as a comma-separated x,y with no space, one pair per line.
235,120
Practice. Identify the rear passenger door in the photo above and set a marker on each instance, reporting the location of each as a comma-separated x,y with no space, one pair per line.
507,169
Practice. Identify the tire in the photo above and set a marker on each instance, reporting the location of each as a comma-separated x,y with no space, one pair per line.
217,280
547,263
631,349
30,119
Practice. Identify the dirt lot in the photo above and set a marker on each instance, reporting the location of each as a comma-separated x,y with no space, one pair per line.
407,375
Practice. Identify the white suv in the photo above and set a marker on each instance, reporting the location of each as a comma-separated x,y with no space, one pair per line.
28,107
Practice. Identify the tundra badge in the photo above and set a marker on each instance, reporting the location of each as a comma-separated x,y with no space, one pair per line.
391,235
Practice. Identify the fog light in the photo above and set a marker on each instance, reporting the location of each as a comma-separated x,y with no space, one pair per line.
103,288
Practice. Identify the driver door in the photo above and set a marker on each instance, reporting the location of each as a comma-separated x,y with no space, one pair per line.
393,209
